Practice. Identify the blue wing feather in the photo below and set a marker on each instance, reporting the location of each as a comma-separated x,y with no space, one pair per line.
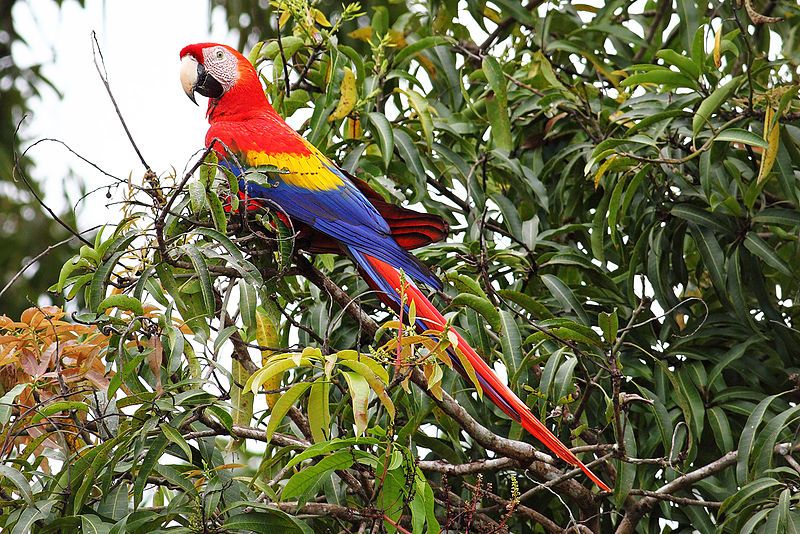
345,214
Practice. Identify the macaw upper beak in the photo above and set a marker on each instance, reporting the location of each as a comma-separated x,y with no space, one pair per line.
194,78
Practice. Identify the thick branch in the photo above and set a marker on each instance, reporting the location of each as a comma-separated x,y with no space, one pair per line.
536,462
245,432
337,294
324,509
635,513
441,466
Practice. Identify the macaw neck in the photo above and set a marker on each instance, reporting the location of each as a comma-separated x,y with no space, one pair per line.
242,102
244,121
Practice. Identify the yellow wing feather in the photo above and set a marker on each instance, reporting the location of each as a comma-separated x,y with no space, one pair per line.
308,171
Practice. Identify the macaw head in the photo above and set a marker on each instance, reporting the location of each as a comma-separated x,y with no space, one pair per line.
219,72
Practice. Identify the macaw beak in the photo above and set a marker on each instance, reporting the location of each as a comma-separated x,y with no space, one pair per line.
195,79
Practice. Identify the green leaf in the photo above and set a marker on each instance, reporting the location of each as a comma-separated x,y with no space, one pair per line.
410,154
285,402
308,479
8,401
760,248
319,411
266,521
420,106
746,495
748,437
737,135
496,78
565,296
57,407
408,52
127,370
713,257
465,284
627,472
482,305
500,123
175,437
721,428
511,343
777,216
729,357
115,504
92,524
383,131
660,76
422,506
768,437
97,288
204,276
155,450
197,196
123,302
30,515
318,449
712,103
218,215
391,497
685,64
609,324
699,216
208,170
247,305
530,304
19,480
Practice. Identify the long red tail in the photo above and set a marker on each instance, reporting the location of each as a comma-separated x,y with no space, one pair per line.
387,279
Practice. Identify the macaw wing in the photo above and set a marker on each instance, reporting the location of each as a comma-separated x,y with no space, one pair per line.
411,229
317,193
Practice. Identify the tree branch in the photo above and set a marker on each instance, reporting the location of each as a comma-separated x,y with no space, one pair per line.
635,513
538,463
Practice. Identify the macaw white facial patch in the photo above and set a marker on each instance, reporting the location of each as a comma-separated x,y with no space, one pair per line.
222,65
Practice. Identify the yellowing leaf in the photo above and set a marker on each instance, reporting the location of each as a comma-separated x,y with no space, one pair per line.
585,7
320,18
772,137
717,47
362,34
352,128
347,98
359,393
154,360
602,170
397,38
241,399
491,14
283,19
267,336
434,375
427,64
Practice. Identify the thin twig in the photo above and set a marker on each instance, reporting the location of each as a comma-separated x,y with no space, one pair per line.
36,258
96,51
17,171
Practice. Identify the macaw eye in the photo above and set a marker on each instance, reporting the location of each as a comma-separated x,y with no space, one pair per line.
220,54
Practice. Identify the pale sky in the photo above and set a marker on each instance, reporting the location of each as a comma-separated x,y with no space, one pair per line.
140,42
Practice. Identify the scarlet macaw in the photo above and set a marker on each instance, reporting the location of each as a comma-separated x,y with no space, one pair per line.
336,211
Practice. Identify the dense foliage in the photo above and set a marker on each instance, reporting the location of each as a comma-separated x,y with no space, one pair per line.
622,189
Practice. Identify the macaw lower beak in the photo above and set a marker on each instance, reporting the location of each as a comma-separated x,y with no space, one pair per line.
195,79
